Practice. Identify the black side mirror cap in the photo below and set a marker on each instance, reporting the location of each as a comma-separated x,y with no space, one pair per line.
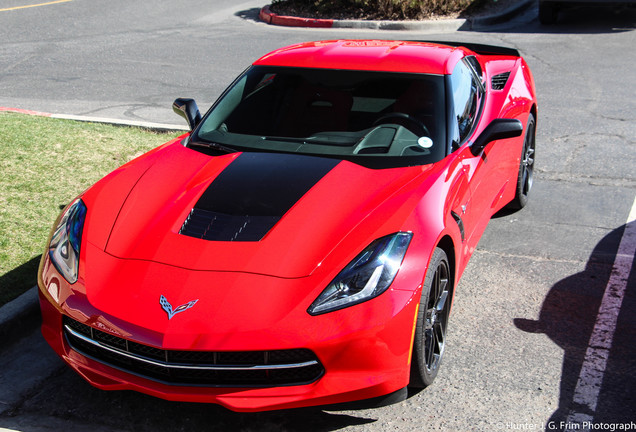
496,130
188,109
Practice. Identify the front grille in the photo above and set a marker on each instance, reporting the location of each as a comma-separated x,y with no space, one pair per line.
195,368
498,82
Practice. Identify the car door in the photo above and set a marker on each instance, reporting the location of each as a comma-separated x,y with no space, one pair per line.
467,100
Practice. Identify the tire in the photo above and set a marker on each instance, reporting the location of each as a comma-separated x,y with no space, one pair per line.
547,13
525,178
432,321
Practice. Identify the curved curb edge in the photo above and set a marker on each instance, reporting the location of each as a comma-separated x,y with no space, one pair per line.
266,15
269,17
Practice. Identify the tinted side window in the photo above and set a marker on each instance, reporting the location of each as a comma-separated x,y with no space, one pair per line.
466,99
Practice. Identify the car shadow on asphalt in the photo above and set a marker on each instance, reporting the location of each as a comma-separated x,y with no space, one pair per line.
568,316
250,14
80,404
581,19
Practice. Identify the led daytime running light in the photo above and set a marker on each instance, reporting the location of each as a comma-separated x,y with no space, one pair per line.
366,277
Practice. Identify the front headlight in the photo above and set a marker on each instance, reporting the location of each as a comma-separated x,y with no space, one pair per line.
366,277
66,240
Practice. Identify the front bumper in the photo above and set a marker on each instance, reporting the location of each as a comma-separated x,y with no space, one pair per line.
363,351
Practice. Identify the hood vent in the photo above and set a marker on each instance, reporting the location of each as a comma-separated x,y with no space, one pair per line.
252,194
498,82
209,225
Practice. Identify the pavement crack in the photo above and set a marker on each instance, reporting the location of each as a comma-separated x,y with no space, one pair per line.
592,180
606,117
536,258
15,64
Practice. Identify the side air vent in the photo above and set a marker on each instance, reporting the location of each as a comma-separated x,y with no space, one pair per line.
498,82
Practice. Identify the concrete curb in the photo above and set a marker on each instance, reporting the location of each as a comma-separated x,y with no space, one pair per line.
157,127
18,317
269,17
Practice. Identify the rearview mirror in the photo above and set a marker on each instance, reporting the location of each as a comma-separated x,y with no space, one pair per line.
496,130
188,109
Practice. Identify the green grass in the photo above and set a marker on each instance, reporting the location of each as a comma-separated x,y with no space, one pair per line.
44,164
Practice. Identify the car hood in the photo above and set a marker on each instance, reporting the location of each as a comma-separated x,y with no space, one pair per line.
264,213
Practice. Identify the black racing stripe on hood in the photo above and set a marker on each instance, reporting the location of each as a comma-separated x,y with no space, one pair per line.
252,194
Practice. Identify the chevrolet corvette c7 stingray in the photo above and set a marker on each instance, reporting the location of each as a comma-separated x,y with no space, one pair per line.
302,244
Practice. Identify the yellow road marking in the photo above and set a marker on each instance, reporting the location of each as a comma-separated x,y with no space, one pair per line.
34,5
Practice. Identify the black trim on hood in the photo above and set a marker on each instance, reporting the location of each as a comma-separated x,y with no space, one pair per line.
252,194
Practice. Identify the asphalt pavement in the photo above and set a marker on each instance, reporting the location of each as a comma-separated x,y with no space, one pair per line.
527,306
15,317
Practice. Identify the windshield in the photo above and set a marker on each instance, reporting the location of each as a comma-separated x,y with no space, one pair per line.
376,118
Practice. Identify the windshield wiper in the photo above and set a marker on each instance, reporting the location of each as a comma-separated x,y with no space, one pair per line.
285,139
214,145
333,140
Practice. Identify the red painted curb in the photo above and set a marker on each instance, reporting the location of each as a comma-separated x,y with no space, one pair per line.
271,18
23,111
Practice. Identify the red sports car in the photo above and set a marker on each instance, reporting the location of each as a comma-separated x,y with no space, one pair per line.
301,245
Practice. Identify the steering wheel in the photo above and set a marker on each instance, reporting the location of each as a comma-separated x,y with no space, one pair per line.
409,122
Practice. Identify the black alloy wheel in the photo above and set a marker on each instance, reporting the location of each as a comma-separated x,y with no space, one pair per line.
432,321
525,179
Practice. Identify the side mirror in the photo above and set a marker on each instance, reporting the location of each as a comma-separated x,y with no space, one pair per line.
188,109
496,130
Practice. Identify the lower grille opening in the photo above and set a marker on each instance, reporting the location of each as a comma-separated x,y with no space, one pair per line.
195,368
